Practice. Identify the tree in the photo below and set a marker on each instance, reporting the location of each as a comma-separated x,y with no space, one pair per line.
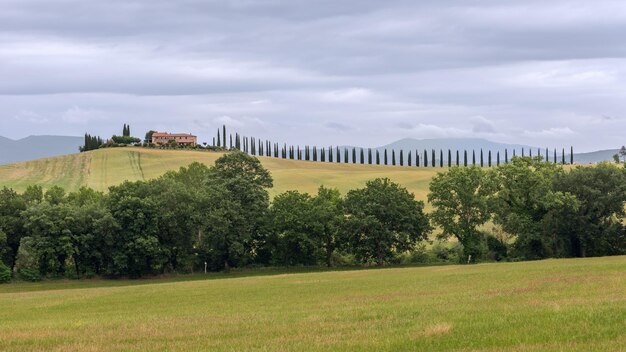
616,158
292,241
327,221
385,156
244,203
525,203
377,157
148,137
596,226
461,200
383,219
622,153
393,157
11,222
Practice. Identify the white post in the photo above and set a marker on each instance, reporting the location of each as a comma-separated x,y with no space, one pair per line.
205,267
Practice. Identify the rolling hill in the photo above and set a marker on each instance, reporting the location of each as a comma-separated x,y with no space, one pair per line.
103,168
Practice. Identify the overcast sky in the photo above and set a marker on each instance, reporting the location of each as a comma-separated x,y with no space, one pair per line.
365,72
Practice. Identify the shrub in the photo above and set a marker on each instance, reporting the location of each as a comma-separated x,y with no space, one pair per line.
5,273
28,274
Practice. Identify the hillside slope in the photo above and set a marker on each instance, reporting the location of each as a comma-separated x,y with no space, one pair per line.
103,168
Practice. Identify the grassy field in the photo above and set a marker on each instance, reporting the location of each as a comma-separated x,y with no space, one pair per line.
552,305
101,169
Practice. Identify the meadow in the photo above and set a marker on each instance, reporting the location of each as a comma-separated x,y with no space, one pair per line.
551,305
103,168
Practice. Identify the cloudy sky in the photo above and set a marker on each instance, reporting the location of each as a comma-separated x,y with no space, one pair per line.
366,72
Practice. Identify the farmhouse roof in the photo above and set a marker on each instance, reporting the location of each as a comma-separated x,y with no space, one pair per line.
165,134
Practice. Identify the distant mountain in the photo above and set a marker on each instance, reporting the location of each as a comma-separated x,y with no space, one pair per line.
37,147
594,157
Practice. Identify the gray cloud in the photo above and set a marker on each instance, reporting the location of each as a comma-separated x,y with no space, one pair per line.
535,72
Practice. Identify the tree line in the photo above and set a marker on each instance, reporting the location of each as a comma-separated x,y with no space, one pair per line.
354,155
221,217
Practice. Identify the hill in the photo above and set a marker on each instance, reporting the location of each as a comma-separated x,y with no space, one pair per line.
37,147
551,305
103,168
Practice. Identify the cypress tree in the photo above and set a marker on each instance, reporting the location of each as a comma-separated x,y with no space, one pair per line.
386,157
323,155
417,159
530,153
440,157
314,153
353,155
401,157
523,152
489,157
231,140
346,156
449,158
224,135
393,157
498,160
330,154
219,142
425,158
571,155
409,159
563,157
482,164
213,142
458,159
465,158
285,151
433,157
473,157
338,155
377,157
506,156
369,156
555,160
362,156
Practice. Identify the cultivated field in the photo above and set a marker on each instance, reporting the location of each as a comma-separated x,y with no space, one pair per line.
101,169
552,305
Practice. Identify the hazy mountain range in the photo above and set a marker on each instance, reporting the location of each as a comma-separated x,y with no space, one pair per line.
36,147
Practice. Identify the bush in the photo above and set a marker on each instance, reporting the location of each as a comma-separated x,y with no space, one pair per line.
5,273
28,274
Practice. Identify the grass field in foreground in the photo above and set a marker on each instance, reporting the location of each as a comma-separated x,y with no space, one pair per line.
551,305
103,168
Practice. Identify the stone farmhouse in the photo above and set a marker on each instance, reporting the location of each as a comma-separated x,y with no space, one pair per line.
186,139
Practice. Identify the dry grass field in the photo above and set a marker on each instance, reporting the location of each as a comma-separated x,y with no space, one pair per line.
551,305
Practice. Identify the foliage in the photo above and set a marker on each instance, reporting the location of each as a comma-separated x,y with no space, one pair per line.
5,273
126,140
526,203
383,219
461,200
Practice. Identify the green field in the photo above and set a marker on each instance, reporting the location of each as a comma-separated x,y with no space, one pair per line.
551,305
103,168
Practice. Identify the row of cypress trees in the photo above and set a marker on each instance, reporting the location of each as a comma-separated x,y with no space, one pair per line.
258,147
91,143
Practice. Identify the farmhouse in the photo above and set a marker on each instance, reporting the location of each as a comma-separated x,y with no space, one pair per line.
180,138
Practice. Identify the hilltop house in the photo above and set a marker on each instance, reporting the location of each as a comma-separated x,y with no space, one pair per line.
186,139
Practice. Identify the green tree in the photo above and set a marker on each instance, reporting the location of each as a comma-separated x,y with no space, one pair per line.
244,204
327,221
292,226
622,153
596,227
383,219
461,200
525,203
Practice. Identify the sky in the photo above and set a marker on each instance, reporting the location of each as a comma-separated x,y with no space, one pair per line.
325,72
